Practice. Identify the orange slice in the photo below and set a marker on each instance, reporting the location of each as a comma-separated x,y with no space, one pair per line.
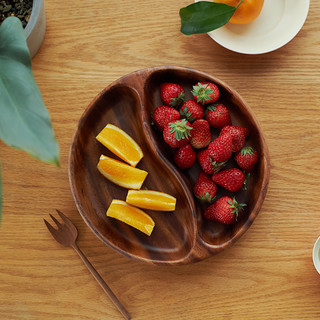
130,215
153,200
121,173
121,144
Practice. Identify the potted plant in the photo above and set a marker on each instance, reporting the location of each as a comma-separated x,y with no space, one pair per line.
25,122
32,16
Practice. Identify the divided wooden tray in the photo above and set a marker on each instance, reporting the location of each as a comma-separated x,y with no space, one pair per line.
183,236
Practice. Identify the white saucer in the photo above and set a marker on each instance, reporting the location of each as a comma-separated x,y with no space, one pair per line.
316,255
278,23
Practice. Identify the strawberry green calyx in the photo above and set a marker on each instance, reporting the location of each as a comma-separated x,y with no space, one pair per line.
179,100
236,207
217,166
246,176
188,115
206,197
202,92
212,107
180,129
247,151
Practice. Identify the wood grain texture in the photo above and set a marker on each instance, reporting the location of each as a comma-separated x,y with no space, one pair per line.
267,274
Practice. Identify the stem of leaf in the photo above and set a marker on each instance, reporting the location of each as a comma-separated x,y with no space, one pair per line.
239,4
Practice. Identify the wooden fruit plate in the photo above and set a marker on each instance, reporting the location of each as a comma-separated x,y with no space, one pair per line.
180,237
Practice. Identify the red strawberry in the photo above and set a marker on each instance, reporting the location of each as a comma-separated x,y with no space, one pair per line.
163,115
206,163
177,133
230,179
201,134
238,134
205,189
218,116
220,149
246,158
225,210
185,157
192,110
205,92
172,94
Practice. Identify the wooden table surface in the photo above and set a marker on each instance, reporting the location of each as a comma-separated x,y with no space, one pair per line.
267,274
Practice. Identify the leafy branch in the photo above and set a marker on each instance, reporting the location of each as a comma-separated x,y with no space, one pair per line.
205,16
25,122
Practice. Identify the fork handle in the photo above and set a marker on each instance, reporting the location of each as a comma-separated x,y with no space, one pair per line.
102,283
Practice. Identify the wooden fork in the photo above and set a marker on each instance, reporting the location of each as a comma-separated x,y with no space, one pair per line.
67,234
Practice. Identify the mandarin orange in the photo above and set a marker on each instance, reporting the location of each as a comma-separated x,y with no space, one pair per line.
247,11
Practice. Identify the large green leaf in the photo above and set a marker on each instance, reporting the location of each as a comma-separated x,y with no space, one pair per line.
204,16
24,122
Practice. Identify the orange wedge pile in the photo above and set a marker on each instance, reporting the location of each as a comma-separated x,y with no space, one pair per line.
122,145
126,175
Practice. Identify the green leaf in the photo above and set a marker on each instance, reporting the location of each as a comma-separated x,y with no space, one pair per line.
24,122
204,16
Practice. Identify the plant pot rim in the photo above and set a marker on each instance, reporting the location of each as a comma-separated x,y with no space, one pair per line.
35,12
36,27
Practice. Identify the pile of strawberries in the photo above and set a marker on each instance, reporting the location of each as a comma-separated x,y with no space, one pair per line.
188,127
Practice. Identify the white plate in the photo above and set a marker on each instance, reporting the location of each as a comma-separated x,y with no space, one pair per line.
316,255
278,23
